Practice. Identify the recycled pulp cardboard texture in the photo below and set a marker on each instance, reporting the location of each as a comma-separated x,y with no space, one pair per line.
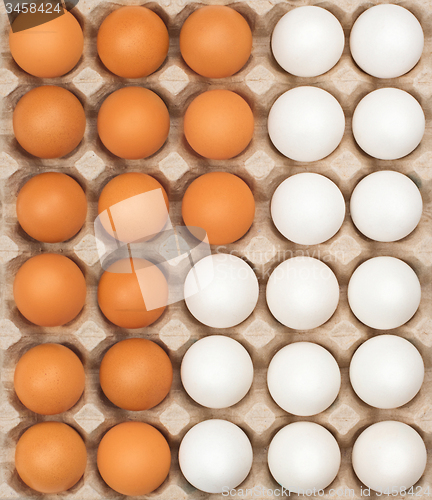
260,82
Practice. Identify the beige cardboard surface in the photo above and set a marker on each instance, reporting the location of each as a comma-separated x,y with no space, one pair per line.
90,335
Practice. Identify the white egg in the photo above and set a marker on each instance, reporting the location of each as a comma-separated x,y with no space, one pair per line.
386,206
306,124
308,41
302,293
388,124
308,208
304,456
217,371
386,41
215,455
386,371
221,290
384,293
303,378
389,457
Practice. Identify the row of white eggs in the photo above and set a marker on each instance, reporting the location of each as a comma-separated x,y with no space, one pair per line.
309,209
303,378
389,457
307,124
386,41
221,291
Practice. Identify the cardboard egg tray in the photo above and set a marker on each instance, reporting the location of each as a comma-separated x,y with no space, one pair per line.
90,335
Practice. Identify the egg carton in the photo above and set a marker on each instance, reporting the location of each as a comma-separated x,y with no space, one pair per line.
90,335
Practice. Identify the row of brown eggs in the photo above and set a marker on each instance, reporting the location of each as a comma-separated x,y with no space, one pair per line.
133,123
132,42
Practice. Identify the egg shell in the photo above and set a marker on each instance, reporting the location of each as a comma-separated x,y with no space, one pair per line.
301,443
49,122
125,221
50,457
308,41
308,208
386,371
303,378
384,440
46,46
215,41
384,292
386,206
222,204
218,124
215,455
221,290
217,371
135,374
133,123
306,124
302,293
133,458
49,290
386,41
51,207
49,379
132,41
120,294
388,123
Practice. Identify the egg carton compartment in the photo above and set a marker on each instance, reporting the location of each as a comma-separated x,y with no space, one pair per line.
90,335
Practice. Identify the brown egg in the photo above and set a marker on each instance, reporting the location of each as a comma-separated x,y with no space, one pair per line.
46,45
216,41
49,379
132,293
133,42
51,207
129,217
222,204
133,123
49,290
49,122
218,124
134,458
136,374
50,457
